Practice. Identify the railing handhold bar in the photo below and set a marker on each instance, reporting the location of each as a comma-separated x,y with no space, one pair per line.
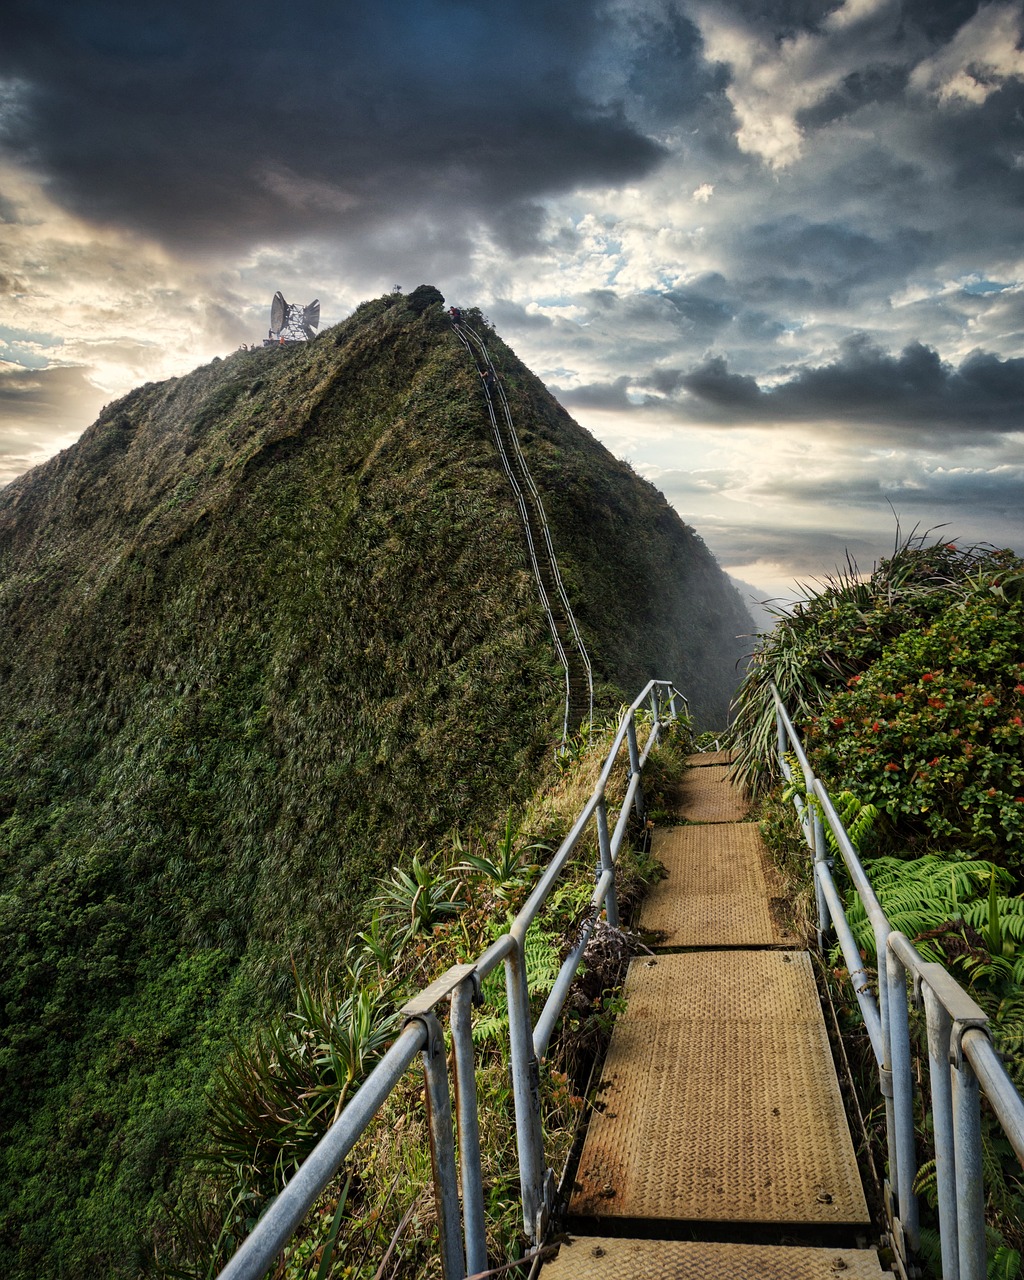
553,1005
618,835
284,1214
794,740
861,883
854,964
554,869
997,1086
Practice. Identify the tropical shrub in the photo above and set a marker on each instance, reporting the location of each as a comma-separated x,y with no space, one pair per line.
931,733
842,628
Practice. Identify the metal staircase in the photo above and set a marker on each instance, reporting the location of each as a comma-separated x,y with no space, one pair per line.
565,633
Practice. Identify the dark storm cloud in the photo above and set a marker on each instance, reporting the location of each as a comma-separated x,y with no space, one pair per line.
867,384
826,260
995,491
914,390
223,123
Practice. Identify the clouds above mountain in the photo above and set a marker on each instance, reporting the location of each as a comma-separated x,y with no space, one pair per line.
217,125
720,229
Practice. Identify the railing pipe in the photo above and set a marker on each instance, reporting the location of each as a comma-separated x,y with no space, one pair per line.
607,866
474,1226
442,1150
861,883
997,1086
277,1224
553,1005
970,1187
854,964
634,764
525,1089
902,1155
939,1025
554,868
619,833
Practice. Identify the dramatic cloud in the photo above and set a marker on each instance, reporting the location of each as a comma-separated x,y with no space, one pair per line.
228,123
767,249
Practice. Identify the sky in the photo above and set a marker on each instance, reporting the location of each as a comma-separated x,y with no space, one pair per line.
768,251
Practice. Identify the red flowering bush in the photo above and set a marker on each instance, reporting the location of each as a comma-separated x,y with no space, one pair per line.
932,733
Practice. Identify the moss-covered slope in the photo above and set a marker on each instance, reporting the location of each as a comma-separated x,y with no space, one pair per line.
263,630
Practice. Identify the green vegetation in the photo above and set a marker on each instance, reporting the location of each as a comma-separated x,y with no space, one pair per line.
276,1095
267,631
908,689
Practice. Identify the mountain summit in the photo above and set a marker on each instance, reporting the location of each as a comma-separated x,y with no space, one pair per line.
267,629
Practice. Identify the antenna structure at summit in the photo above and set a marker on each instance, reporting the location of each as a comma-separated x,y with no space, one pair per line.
291,323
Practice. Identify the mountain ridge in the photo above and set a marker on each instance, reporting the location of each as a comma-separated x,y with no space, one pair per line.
268,628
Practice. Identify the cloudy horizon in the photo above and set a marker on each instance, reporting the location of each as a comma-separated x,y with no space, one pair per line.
767,252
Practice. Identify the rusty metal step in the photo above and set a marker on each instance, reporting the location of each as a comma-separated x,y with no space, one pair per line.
701,758
716,892
720,1099
603,1258
708,794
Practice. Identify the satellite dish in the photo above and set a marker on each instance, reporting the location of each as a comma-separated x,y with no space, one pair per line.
292,323
278,312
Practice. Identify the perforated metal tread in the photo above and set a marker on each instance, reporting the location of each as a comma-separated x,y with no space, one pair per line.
602,1258
716,892
720,1098
701,758
708,795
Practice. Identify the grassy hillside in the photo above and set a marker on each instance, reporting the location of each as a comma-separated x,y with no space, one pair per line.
267,629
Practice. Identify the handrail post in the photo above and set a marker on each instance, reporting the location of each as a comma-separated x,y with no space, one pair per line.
474,1227
526,1091
442,1150
611,905
656,705
939,1025
970,1189
819,851
639,803
902,1156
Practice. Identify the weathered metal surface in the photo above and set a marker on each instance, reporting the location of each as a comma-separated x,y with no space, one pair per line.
700,758
720,1099
716,892
601,1258
708,795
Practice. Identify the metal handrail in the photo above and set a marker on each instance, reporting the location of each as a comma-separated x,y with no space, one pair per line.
468,336
963,1063
462,1234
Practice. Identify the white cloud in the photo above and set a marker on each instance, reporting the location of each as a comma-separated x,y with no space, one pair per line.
980,58
773,80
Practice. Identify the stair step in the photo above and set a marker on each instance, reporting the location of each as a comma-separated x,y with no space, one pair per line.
605,1258
720,1099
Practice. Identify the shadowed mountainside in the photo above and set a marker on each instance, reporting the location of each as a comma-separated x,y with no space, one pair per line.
266,629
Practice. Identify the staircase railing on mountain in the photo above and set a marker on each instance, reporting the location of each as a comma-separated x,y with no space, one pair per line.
462,1235
535,525
963,1064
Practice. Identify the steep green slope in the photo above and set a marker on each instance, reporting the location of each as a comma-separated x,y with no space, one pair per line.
266,629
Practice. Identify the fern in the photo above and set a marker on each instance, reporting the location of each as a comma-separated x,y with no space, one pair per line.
923,895
542,966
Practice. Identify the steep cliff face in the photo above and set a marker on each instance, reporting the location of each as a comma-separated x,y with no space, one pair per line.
263,631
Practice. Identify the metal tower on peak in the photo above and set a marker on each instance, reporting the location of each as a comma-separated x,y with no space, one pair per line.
291,323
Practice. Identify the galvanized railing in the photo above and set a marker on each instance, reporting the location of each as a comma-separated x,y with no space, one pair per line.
464,1251
963,1064
497,401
